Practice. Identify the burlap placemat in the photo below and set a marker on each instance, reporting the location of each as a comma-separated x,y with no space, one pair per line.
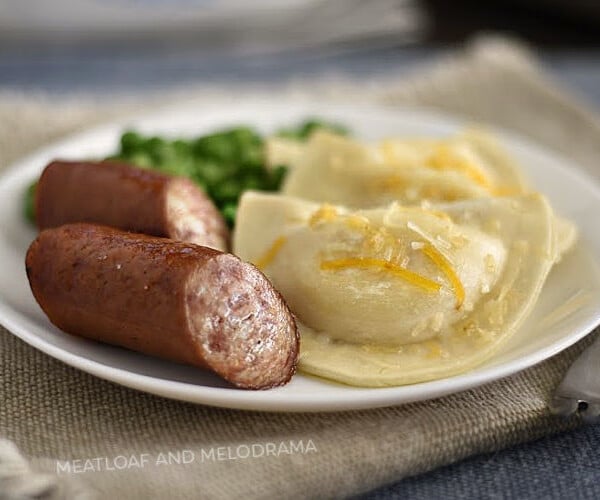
116,441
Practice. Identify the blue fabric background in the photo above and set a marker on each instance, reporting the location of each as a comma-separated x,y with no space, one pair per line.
566,467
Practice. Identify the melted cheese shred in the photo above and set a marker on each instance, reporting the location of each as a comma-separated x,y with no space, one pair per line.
369,263
444,158
264,260
325,213
446,267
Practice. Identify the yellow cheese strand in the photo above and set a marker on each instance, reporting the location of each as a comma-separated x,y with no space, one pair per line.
325,213
440,261
435,349
270,254
369,263
445,159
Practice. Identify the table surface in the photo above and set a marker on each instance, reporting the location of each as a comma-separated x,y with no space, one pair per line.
564,466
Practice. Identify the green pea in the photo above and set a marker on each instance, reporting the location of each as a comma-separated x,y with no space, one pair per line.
277,175
304,130
130,142
142,160
229,190
29,202
229,212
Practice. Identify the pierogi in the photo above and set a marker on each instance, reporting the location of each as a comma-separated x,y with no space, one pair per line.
401,294
336,169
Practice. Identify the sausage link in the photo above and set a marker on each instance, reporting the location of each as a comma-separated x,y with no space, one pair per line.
129,198
170,299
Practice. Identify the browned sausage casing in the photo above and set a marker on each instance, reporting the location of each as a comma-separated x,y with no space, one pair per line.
170,299
129,198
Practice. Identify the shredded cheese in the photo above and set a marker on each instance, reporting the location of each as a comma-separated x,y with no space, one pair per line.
440,261
434,349
357,222
444,158
270,254
438,213
325,213
368,263
506,191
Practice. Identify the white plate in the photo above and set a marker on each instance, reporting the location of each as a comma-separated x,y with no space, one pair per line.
551,327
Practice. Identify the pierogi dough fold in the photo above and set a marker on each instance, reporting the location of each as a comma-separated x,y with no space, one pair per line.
340,170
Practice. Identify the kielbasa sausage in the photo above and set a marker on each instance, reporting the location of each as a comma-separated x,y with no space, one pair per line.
129,198
170,299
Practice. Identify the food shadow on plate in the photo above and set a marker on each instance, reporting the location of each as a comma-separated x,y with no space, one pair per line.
142,364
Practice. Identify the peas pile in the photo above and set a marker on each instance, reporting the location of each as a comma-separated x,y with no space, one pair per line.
224,164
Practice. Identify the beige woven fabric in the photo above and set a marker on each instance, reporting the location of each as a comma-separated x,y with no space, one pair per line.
53,412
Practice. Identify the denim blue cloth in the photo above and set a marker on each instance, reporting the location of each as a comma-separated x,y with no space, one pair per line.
565,467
